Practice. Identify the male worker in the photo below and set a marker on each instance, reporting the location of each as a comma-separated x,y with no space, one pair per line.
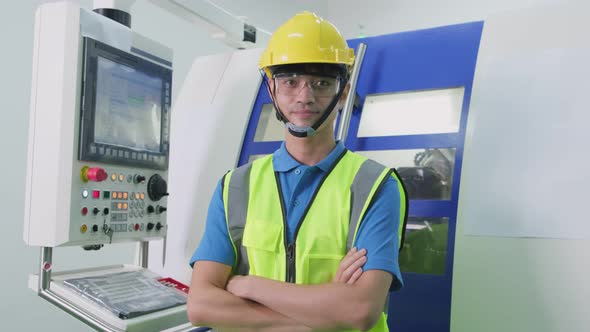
279,250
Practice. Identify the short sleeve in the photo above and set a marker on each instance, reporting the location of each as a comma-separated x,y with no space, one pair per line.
378,233
216,244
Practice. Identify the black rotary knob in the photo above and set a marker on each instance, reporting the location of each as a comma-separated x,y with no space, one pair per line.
162,209
159,226
150,226
157,188
150,209
139,178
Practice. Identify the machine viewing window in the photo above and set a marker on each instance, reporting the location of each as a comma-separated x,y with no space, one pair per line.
126,100
426,173
425,246
269,128
412,113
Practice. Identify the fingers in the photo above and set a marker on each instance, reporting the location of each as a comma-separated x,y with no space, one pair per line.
349,265
351,269
352,256
343,263
355,276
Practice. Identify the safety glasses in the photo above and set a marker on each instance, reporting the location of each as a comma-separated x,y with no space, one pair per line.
289,84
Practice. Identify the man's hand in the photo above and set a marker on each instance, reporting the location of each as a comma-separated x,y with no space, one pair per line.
237,285
350,268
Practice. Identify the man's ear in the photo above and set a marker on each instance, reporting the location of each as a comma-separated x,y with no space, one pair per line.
270,84
342,99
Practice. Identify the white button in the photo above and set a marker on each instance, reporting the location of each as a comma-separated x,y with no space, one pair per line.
297,171
85,193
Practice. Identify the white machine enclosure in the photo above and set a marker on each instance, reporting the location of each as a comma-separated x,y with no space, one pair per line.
211,113
55,192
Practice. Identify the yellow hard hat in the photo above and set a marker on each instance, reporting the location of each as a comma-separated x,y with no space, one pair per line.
306,38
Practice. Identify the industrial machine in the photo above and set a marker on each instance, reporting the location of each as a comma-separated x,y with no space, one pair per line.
99,155
98,162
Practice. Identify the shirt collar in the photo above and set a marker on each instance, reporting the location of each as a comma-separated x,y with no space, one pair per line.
282,161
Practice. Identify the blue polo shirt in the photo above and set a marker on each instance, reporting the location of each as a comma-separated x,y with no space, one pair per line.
378,233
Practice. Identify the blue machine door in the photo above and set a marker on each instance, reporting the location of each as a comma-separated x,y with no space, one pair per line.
413,93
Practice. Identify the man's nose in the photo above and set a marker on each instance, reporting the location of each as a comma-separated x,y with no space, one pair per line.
306,93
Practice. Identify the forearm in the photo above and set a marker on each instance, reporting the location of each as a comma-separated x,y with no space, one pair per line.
326,306
215,307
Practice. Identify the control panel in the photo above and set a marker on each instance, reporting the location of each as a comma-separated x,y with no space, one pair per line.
99,128
123,202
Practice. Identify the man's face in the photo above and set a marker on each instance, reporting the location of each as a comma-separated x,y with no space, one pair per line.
304,98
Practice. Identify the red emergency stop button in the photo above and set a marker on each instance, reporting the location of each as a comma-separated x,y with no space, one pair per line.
95,174
136,227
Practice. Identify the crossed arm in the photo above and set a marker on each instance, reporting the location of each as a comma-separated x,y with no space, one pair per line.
353,300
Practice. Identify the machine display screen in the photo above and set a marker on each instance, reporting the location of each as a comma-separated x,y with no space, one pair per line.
125,117
128,107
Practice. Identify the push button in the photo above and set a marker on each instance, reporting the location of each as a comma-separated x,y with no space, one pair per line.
95,174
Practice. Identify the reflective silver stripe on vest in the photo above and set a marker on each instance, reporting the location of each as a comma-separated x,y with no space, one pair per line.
360,189
237,209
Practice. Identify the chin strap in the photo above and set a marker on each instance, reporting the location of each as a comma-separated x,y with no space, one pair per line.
305,131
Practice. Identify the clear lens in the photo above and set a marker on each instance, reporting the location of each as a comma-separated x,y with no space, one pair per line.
321,86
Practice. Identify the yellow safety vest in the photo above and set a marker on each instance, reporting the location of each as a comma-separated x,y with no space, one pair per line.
256,220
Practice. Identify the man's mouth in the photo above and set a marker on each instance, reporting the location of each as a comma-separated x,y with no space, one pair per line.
305,113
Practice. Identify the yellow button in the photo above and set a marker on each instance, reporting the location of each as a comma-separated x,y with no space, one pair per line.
124,206
121,177
125,195
114,177
119,206
142,196
115,195
83,228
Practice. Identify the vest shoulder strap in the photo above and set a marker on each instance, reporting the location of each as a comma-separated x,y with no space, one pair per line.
368,181
236,186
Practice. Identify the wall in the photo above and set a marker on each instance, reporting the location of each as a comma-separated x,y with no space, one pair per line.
375,17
